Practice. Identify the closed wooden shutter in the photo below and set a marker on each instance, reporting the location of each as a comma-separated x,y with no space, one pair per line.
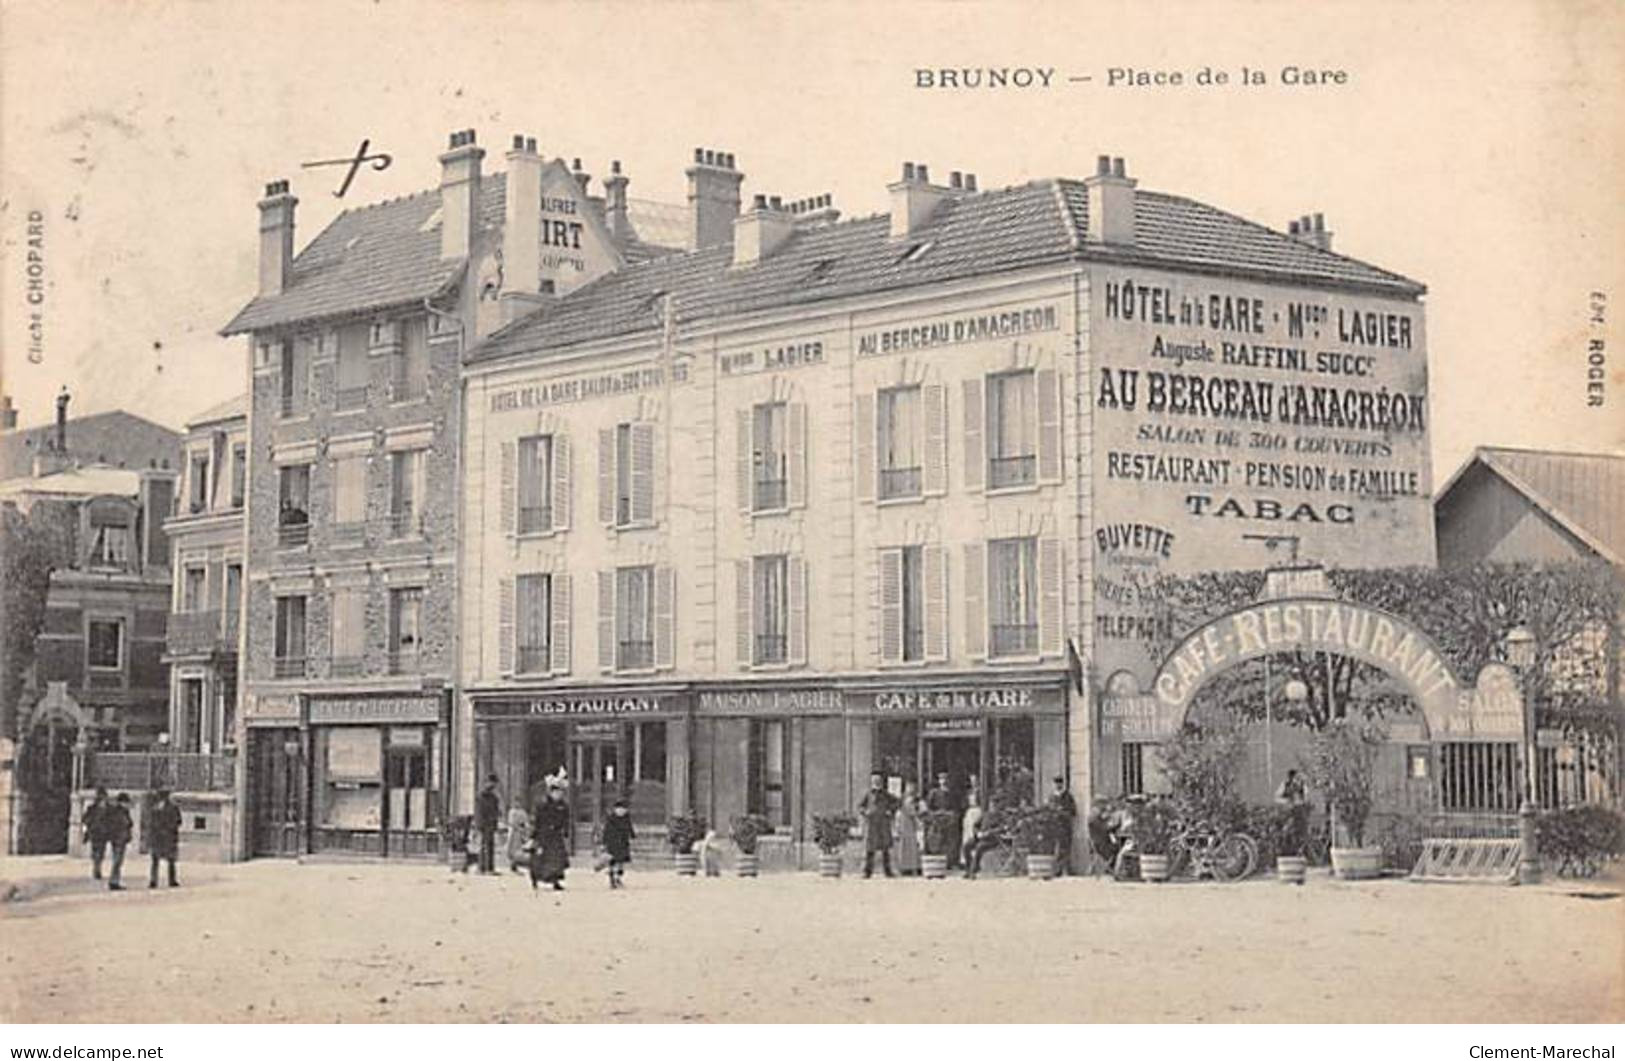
864,446
1046,381
891,605
559,649
643,473
505,626
561,482
606,621
1050,578
743,613
934,478
975,602
934,565
742,468
606,476
665,617
798,454
508,484
975,460
797,571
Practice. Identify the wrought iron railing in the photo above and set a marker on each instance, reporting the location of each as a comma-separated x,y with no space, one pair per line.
405,661
771,494
535,519
288,667
533,659
899,482
635,654
177,771
346,666
192,632
348,399
1015,639
1012,471
292,535
771,648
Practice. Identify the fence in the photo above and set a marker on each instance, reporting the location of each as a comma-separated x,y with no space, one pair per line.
177,771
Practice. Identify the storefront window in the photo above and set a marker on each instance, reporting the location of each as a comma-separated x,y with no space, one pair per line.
349,781
649,746
767,792
897,750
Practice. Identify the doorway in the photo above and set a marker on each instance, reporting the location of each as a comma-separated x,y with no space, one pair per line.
957,754
276,793
406,793
596,768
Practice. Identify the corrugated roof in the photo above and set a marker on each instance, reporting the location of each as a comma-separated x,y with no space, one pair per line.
989,232
1585,492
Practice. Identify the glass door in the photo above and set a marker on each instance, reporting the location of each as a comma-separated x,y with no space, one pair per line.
278,791
406,796
595,766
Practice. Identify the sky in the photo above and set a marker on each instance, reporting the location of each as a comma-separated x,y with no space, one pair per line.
1476,147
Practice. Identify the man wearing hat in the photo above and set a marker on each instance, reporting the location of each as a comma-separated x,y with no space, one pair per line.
487,813
1066,809
118,825
164,841
94,822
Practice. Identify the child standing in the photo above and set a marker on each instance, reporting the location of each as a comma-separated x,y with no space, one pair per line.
618,842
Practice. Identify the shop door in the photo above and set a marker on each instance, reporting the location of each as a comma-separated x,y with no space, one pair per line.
406,802
276,793
596,765
960,757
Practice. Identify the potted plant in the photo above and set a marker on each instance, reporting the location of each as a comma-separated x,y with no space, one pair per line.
939,834
1342,762
1289,833
683,831
746,830
1038,833
1153,833
830,833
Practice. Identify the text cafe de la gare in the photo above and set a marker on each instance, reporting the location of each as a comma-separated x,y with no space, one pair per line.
783,749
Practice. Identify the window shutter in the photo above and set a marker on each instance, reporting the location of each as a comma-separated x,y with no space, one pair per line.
934,561
1047,383
743,467
796,569
643,473
665,617
559,613
505,626
606,476
606,621
975,604
798,455
864,446
561,482
743,613
975,461
934,478
891,605
1049,596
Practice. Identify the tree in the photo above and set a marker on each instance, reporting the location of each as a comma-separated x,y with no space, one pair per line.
32,545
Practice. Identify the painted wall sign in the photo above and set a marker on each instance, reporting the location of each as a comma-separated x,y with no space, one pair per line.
264,710
336,710
993,700
1491,711
584,388
772,358
925,335
587,703
1139,718
769,701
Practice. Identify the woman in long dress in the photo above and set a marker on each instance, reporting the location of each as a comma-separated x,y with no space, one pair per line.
518,837
908,832
550,829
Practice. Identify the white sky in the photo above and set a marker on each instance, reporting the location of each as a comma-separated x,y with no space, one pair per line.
1477,148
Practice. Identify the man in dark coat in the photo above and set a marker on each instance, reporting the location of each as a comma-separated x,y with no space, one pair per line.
877,809
119,828
94,822
1066,809
487,813
942,798
164,843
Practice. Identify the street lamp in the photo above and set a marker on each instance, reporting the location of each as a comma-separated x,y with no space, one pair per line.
1520,653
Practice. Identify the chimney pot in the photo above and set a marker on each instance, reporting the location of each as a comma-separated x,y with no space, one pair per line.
1320,222
728,160
615,167
956,179
1292,228
530,144
759,203
1117,168
908,171
921,172
775,203
970,182
1103,166
518,142
699,155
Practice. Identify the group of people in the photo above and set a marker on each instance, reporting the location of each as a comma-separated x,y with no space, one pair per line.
539,839
109,826
895,824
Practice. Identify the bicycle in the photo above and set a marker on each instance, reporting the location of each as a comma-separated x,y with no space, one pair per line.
1203,850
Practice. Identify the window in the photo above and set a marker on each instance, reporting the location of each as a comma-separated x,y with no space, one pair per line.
293,513
900,442
766,778
771,596
634,618
351,390
289,658
104,644
239,474
1132,773
295,366
1476,776
349,632
190,723
197,480
110,546
411,363
534,625
194,581
903,609
1013,596
536,484
770,458
623,475
649,752
405,633
1012,429
626,475
406,493
349,498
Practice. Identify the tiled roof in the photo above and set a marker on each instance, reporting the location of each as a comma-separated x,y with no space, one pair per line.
99,438
231,409
990,232
1583,491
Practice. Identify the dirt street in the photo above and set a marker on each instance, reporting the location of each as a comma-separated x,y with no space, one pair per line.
276,941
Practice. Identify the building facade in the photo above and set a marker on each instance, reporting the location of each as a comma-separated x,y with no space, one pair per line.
746,524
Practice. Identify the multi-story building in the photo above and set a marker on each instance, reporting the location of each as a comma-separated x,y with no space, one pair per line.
742,525
353,478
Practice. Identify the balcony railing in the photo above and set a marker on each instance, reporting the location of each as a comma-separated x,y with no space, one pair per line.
771,648
290,406
533,659
899,482
1015,639
408,388
346,666
771,494
1012,471
198,632
635,655
405,661
405,522
288,667
535,519
348,399
348,533
292,535
145,771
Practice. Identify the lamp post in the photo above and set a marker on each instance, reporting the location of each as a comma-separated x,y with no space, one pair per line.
1520,651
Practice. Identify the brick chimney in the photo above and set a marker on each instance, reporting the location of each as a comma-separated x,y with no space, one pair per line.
1111,203
713,198
60,442
8,414
760,231
815,212
615,215
460,195
521,231
914,198
276,238
1311,230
